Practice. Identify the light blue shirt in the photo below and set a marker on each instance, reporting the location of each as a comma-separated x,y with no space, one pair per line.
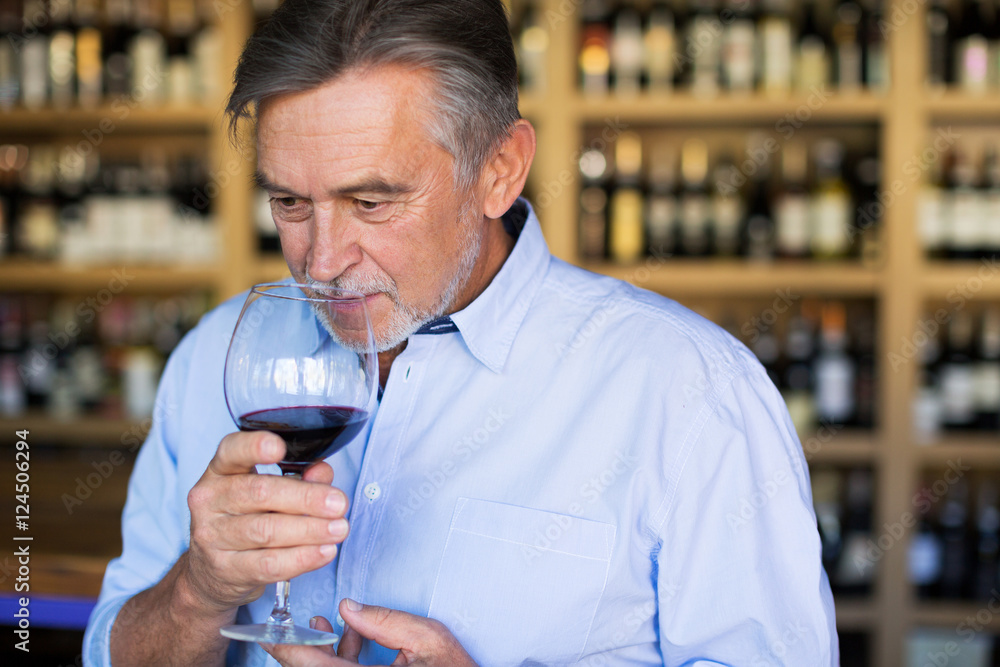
585,473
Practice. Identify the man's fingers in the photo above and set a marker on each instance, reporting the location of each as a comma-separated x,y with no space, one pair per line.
271,530
391,628
270,565
240,452
350,644
248,494
320,473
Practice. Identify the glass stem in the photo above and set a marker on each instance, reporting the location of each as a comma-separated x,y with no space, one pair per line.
281,614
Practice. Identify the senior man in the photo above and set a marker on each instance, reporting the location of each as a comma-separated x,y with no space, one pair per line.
556,468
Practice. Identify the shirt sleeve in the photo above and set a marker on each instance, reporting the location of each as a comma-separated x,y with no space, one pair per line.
154,521
739,573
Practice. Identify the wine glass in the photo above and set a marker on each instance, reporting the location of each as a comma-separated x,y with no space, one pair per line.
301,364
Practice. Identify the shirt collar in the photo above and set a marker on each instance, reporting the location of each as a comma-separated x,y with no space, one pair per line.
490,323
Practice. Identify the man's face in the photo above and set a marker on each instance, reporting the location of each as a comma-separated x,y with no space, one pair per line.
364,199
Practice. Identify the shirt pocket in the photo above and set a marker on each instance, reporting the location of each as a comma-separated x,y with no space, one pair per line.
518,585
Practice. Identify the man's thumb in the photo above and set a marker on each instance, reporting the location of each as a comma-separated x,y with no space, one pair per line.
391,628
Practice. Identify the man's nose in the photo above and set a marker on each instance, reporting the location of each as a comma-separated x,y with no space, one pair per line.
334,247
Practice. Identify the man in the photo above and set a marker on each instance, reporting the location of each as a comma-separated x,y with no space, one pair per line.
555,471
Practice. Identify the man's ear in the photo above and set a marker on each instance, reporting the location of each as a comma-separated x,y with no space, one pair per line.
504,176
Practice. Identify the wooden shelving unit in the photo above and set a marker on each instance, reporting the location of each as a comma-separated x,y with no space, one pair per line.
903,117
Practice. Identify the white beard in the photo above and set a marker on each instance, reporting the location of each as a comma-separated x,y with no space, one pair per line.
403,320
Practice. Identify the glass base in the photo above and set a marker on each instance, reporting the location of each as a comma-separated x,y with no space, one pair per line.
279,634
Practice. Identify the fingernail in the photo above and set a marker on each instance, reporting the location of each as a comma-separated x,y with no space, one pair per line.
335,502
328,550
313,622
354,605
338,527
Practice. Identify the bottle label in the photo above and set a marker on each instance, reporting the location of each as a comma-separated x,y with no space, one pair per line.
958,393
987,386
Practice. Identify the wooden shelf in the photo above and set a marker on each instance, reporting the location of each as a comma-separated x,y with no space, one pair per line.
29,276
85,431
855,614
951,614
114,117
64,575
963,106
271,269
845,447
968,279
740,278
684,107
980,450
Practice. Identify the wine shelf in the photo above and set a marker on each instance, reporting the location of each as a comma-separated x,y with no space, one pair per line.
29,276
84,431
115,117
690,277
965,280
951,104
956,615
822,106
978,450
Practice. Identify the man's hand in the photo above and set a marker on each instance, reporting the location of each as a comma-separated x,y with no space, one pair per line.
249,530
420,641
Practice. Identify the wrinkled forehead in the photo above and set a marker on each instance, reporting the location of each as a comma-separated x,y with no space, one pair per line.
376,104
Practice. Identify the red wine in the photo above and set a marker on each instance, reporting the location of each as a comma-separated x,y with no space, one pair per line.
311,433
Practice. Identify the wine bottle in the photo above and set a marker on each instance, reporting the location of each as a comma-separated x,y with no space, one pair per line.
868,221
595,50
939,51
776,48
972,49
926,548
876,58
862,351
89,55
827,488
955,555
594,172
727,208
847,40
627,51
758,233
798,390
984,575
532,46
661,203
986,378
812,56
932,212
791,207
703,40
626,238
849,578
832,212
989,231
62,54
739,46
13,397
963,207
957,374
660,48
10,81
35,58
695,203
835,371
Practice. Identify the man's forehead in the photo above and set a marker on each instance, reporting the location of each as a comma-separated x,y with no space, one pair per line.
373,101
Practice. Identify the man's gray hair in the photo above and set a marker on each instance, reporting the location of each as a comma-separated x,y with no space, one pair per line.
464,44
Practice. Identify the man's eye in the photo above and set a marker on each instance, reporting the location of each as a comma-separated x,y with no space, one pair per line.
368,205
285,202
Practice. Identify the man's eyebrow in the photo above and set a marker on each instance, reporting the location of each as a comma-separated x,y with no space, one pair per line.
264,183
373,186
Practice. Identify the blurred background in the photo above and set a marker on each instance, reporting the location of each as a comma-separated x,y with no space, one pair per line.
820,178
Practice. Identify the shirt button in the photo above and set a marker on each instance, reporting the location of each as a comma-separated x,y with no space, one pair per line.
373,491
340,620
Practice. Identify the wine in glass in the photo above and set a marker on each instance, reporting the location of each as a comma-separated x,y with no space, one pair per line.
301,364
